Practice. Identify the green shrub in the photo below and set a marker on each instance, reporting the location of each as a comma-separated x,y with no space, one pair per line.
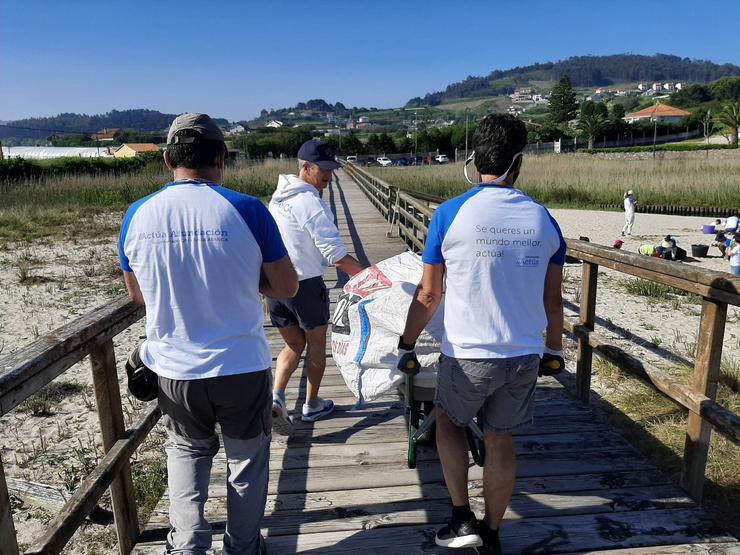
17,169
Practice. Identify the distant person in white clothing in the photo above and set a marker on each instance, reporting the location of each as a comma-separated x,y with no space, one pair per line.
198,255
734,254
629,213
307,226
500,255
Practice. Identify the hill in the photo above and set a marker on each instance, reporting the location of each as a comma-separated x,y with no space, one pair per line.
40,128
584,71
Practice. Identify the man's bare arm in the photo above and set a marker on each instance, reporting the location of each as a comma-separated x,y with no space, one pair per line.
553,299
349,265
425,302
278,279
132,286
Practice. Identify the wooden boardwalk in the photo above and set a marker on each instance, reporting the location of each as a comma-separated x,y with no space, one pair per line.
341,485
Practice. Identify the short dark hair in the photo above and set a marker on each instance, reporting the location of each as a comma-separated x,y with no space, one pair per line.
201,153
497,139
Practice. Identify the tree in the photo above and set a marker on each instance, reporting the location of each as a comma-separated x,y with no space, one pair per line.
727,88
617,113
386,143
691,95
707,124
730,118
592,126
373,144
563,104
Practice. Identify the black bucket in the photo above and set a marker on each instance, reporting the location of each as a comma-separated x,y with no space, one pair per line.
699,251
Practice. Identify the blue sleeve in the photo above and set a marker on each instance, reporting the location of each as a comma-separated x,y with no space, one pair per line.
442,219
559,256
260,223
125,266
433,245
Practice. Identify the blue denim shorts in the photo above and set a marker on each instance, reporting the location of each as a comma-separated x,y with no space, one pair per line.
502,387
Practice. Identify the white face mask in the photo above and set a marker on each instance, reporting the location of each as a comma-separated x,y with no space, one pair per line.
500,179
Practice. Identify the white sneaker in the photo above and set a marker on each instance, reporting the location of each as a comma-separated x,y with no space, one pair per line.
311,415
281,421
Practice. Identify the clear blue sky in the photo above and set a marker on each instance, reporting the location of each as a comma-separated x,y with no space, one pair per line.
232,58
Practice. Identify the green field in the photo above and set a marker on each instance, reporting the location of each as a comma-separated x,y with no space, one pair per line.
58,205
583,181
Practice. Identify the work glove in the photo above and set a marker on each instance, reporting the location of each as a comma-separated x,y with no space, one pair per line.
551,363
407,361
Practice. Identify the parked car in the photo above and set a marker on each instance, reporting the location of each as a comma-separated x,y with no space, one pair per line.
441,159
352,158
401,162
385,162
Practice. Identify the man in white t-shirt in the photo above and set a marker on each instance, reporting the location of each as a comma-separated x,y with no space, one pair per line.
198,255
307,226
498,256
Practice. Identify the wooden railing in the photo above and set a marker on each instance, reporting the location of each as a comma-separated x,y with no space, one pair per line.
412,212
26,371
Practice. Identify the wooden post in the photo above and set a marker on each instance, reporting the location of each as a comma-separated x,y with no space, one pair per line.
706,375
587,318
8,540
108,396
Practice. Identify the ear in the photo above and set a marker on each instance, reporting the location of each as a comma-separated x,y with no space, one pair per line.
167,161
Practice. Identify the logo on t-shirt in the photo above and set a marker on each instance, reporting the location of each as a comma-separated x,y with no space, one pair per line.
528,261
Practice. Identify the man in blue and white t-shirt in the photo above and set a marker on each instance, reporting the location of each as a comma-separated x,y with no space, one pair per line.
498,256
198,255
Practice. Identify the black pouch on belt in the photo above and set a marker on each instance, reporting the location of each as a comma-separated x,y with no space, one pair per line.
142,381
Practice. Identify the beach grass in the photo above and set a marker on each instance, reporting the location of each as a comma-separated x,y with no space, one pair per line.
85,206
585,181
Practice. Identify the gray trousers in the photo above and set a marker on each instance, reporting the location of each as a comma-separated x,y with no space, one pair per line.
240,404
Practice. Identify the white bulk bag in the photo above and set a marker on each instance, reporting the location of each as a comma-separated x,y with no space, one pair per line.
369,318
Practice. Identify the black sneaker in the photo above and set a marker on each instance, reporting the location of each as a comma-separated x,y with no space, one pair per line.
459,534
491,542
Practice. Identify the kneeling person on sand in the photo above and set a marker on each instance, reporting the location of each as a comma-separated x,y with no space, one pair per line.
307,226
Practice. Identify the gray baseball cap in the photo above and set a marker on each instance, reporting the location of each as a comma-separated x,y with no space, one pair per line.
202,123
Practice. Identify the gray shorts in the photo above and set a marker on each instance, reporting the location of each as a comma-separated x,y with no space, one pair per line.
503,387
309,308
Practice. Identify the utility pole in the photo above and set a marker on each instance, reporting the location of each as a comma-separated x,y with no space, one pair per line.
655,132
416,143
467,114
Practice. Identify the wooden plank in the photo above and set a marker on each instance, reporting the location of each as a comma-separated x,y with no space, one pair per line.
340,510
587,318
543,535
706,376
713,548
112,428
552,535
8,540
328,475
724,421
50,497
719,286
87,494
27,370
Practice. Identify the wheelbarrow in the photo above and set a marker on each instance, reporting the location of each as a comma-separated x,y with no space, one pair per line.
418,390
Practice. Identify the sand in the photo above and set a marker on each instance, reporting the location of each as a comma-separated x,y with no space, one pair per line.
69,279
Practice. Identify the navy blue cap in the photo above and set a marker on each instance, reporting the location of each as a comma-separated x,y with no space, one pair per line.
318,153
